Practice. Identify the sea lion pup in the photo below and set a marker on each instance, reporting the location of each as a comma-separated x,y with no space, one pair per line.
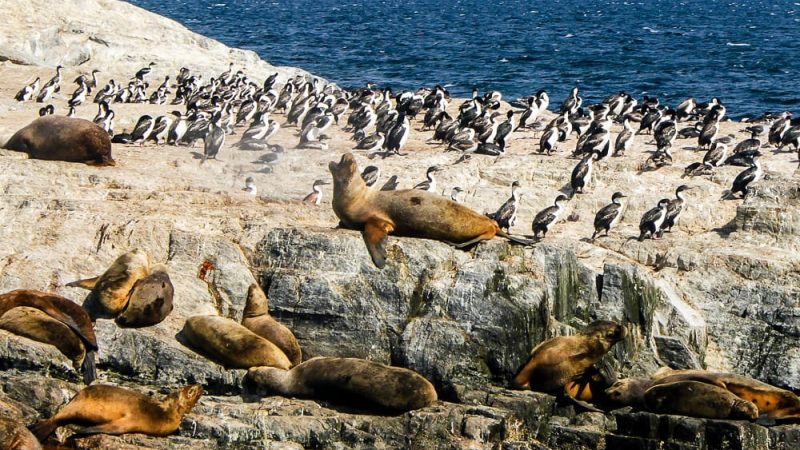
59,138
698,399
35,324
775,402
409,212
558,361
230,344
14,436
115,410
149,301
110,290
63,310
256,318
349,379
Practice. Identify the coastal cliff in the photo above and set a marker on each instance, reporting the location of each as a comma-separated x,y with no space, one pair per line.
722,291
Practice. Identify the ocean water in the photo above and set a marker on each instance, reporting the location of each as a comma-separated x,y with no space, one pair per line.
744,52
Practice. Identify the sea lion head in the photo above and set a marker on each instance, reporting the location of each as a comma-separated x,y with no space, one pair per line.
257,302
606,331
345,170
189,395
628,391
744,410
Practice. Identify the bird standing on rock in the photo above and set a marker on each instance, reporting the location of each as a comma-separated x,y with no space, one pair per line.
609,216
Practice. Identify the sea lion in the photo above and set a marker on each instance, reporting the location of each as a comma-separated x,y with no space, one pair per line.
63,310
230,344
698,399
115,410
410,212
34,324
59,138
150,300
629,391
775,402
256,318
558,361
110,290
14,436
349,379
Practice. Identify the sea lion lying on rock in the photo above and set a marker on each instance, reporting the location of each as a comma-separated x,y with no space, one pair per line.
409,212
34,324
698,399
14,436
59,138
350,380
256,318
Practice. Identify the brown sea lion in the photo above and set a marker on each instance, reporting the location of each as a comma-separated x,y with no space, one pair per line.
775,402
65,311
59,138
14,436
349,379
256,318
629,391
34,324
115,410
110,290
149,301
558,361
698,399
230,344
410,212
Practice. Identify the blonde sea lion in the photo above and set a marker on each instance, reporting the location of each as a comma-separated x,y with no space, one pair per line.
149,301
59,138
63,310
115,410
256,318
698,399
557,362
410,212
230,344
14,436
110,290
350,380
34,324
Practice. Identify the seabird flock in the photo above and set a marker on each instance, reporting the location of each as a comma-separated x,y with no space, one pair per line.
380,121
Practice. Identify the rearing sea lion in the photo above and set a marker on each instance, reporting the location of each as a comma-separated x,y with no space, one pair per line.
409,212
256,318
59,138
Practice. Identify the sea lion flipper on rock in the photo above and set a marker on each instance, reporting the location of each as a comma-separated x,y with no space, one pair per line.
376,234
111,428
88,283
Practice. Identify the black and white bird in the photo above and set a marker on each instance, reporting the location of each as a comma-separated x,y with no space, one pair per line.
778,128
675,208
371,143
609,216
250,186
624,138
651,222
747,177
504,130
47,110
46,93
144,71
572,103
697,169
161,129
430,183
791,138
686,109
26,93
549,140
582,174
506,216
178,128
370,175
716,155
55,81
79,96
315,196
398,135
548,217
214,138
144,126
454,193
89,80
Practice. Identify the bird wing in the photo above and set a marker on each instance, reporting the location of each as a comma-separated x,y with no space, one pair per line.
546,215
651,216
606,214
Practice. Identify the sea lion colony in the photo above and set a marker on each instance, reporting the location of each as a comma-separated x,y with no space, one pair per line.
380,121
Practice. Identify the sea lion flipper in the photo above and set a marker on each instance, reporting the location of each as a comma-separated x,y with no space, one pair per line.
375,236
89,369
112,428
88,283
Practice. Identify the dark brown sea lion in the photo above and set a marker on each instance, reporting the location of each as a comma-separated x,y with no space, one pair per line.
410,212
111,289
115,410
698,399
149,301
65,311
14,436
230,344
391,388
256,318
556,362
35,324
59,138
629,391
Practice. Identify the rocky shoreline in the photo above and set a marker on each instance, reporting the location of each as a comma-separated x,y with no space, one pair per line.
725,296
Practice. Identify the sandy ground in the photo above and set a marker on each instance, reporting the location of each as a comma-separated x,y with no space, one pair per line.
175,171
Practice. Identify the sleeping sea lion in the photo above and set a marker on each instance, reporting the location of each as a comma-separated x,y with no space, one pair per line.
110,290
14,436
256,318
698,399
115,410
350,380
230,344
558,361
35,324
63,310
149,301
59,138
410,212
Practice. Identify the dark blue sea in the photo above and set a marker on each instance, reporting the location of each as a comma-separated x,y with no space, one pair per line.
745,52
